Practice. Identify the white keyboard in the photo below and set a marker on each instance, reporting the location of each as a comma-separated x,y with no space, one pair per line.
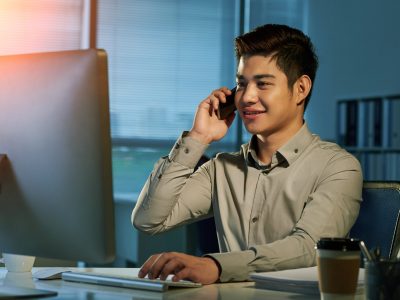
127,281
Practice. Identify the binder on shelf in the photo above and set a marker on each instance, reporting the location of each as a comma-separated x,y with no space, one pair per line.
379,166
391,166
386,122
370,129
370,124
342,127
362,158
351,123
395,123
362,120
372,166
377,122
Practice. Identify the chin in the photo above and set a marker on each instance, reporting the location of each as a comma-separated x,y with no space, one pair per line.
264,131
252,129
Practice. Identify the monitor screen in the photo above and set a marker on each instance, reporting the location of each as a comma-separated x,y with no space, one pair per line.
56,197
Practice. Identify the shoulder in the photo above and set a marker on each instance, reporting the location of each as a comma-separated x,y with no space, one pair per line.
333,156
228,155
228,158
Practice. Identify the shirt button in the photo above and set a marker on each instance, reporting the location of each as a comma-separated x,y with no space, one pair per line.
296,150
177,146
255,219
186,150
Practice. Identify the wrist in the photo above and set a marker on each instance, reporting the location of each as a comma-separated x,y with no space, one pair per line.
216,263
199,137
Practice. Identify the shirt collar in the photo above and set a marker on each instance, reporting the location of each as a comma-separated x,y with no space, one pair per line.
288,153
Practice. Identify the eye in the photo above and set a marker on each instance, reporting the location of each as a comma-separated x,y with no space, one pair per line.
264,84
240,85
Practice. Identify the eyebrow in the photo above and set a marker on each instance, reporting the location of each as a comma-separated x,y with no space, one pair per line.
258,76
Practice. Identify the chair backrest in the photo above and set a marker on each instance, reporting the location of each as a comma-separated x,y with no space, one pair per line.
378,222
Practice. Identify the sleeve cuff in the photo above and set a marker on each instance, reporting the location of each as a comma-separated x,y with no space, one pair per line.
187,151
234,265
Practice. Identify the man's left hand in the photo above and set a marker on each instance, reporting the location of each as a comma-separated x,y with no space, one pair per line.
198,269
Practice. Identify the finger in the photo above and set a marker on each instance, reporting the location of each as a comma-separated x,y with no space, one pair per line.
218,96
215,101
212,105
172,267
144,270
221,94
159,264
225,90
220,91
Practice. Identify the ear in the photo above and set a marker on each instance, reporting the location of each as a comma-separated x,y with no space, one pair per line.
302,88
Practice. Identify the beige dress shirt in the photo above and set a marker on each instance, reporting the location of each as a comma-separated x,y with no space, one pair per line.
267,217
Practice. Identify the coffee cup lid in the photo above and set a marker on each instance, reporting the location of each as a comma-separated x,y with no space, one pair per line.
342,244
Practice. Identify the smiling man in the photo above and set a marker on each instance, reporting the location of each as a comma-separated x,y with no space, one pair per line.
275,197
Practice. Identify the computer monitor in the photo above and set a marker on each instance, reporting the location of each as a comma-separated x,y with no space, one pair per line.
56,197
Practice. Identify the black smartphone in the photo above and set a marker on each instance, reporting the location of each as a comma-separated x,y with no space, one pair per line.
225,109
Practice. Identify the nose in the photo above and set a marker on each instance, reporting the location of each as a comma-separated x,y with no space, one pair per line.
249,95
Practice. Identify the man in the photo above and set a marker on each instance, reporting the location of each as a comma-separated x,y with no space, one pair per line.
275,198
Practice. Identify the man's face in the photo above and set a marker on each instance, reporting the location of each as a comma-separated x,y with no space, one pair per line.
263,98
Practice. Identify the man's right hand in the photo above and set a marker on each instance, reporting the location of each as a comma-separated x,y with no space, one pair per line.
207,128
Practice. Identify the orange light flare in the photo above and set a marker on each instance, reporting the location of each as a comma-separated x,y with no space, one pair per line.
27,26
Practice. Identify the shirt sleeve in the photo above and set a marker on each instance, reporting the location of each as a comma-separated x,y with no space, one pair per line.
173,194
330,211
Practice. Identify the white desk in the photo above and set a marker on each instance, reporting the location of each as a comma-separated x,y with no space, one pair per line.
71,290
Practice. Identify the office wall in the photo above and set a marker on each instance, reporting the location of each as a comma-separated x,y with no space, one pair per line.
358,42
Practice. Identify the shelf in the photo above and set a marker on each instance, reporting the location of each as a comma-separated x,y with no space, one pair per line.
369,128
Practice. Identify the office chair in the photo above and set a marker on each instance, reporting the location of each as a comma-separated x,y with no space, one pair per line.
378,222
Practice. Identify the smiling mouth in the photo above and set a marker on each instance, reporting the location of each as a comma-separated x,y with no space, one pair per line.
249,113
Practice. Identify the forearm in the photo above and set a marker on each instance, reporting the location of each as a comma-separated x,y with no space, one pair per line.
165,201
295,251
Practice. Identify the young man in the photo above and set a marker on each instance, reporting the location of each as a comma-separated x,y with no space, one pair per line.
274,198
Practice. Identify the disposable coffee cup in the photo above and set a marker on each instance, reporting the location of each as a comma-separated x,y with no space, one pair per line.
17,263
338,261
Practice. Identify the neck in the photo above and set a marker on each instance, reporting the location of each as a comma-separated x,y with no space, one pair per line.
269,143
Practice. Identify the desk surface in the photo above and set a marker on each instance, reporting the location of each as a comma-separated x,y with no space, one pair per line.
71,290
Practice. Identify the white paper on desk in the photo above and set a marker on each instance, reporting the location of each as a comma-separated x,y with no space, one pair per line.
303,281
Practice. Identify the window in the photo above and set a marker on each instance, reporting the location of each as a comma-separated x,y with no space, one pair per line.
164,58
28,26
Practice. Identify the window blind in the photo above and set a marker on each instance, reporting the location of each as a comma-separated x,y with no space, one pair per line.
164,58
28,26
